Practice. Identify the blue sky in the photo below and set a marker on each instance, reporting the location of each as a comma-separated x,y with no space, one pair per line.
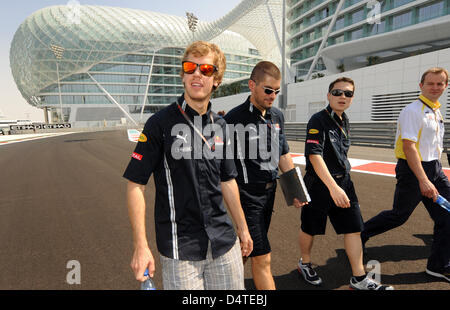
14,12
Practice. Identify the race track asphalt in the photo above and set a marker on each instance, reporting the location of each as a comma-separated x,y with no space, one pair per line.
63,199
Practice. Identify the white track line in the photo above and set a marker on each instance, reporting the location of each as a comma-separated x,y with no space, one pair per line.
10,139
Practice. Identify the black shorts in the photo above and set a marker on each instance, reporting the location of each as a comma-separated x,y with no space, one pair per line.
344,220
257,203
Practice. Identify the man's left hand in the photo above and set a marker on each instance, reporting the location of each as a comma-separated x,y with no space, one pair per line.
246,243
299,204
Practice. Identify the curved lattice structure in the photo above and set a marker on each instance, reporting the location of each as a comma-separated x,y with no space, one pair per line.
134,55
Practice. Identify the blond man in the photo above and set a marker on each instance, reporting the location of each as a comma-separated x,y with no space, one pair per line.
418,148
182,146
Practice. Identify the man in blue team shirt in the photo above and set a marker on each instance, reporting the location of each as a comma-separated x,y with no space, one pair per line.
195,237
261,148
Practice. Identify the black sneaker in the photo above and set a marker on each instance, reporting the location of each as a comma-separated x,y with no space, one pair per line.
368,285
308,273
444,275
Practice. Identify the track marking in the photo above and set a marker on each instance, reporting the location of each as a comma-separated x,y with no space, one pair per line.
5,140
364,166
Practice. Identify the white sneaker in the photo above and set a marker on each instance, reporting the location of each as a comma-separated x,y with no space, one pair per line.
308,273
368,284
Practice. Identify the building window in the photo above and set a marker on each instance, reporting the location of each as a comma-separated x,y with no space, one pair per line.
431,11
323,30
350,3
377,28
312,19
402,20
309,37
356,34
310,51
297,56
324,13
357,16
340,23
398,3
339,39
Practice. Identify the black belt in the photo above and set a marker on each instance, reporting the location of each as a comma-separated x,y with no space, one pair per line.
266,186
340,175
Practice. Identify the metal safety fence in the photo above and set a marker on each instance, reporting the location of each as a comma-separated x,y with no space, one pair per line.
370,134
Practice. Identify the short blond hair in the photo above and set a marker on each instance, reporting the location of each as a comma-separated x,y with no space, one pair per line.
435,70
203,48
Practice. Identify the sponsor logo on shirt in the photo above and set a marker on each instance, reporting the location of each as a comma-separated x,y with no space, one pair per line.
143,138
137,156
313,141
218,140
184,138
313,131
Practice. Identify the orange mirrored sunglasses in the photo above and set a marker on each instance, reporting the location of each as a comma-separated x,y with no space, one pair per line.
189,67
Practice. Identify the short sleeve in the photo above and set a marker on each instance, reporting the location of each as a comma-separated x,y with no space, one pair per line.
409,123
314,143
147,154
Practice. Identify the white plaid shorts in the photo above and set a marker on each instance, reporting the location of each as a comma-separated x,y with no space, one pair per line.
223,273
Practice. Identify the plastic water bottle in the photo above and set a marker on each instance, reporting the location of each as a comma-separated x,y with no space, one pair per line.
443,203
148,285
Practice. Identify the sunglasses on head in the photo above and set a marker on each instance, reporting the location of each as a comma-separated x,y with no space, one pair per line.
270,91
339,92
189,67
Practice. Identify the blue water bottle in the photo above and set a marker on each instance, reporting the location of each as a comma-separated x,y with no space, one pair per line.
443,203
148,285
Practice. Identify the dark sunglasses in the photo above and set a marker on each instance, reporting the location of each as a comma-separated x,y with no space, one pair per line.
189,67
270,91
339,92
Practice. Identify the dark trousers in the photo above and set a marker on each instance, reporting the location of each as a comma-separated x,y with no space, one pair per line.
407,196
257,201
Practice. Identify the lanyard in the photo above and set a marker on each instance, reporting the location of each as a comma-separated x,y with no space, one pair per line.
340,127
434,110
266,122
197,131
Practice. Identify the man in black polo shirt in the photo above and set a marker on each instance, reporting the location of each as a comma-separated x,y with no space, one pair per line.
260,148
184,146
331,190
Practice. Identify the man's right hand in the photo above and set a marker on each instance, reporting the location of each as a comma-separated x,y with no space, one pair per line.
340,197
428,190
142,260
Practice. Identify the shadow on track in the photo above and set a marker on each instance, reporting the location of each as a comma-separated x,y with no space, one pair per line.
336,272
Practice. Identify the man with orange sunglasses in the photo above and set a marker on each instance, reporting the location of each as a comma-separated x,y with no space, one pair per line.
183,146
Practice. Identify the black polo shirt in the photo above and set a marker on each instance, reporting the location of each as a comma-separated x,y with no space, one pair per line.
189,208
251,130
328,135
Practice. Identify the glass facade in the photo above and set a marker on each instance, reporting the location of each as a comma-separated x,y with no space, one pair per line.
309,17
132,56
126,78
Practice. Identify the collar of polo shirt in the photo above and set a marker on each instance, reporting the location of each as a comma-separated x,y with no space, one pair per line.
428,102
254,109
